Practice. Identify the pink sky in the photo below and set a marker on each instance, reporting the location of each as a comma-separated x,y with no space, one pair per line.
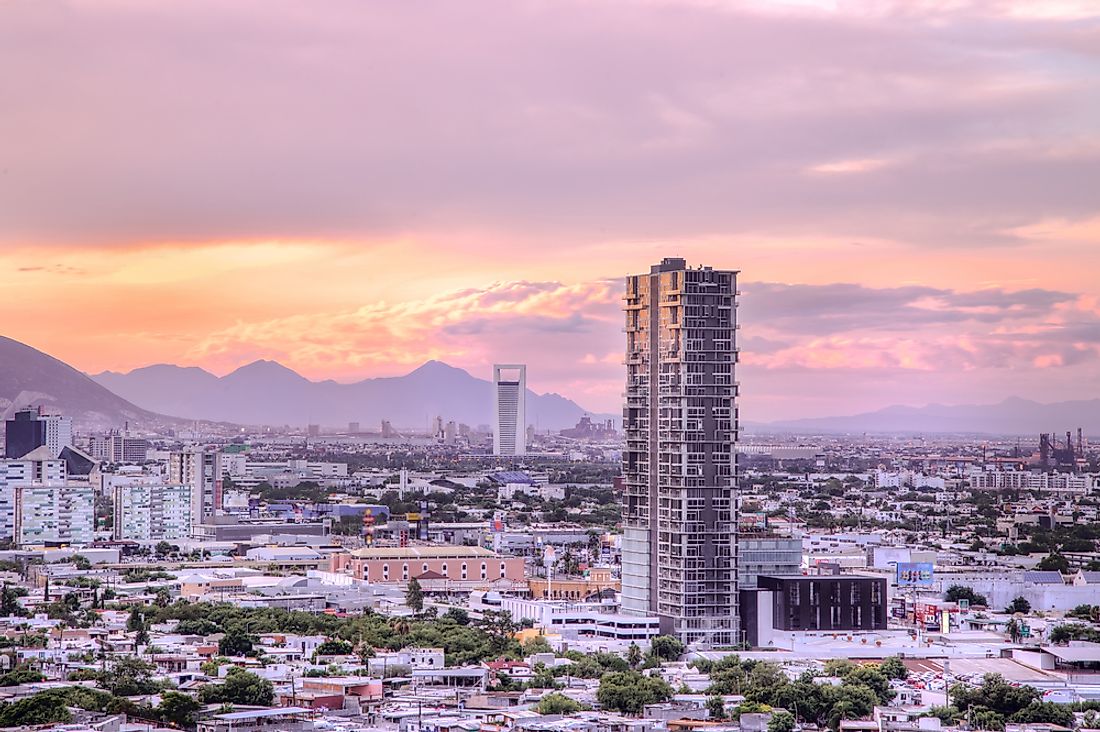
909,188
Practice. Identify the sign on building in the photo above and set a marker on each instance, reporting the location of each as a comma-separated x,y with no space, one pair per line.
914,574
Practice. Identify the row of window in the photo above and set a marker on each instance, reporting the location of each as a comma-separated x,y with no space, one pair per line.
464,570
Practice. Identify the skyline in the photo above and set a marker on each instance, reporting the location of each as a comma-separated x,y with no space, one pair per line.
905,188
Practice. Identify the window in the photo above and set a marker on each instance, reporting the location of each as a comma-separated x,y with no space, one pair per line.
464,570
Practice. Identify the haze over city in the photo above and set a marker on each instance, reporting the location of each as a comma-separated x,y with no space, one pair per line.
907,187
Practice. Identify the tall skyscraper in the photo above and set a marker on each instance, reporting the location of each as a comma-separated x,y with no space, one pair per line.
30,429
509,411
202,471
679,465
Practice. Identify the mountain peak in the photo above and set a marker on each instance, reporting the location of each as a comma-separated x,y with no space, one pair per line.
263,367
29,376
433,367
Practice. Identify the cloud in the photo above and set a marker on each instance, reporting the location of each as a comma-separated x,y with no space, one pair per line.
919,328
572,119
795,339
507,321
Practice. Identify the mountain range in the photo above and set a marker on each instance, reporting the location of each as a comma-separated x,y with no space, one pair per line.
265,392
268,393
1013,416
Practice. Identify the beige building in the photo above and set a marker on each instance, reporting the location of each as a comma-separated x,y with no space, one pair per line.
467,564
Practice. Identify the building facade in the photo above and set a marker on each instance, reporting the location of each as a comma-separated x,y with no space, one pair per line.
509,409
150,510
679,464
23,472
456,564
23,433
202,471
764,554
54,512
826,603
118,448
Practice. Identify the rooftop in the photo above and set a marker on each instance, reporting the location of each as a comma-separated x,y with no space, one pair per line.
424,552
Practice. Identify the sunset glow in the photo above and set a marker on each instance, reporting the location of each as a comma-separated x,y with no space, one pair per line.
909,189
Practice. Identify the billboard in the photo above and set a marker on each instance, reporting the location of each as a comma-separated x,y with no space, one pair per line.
914,574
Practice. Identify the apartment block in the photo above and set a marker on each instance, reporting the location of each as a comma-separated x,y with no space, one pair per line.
679,463
54,512
150,510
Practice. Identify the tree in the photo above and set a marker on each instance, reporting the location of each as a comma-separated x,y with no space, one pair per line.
893,668
851,701
667,647
44,708
199,626
81,562
1019,605
236,643
962,592
129,676
239,687
781,721
538,644
555,703
1045,713
178,709
499,626
984,718
839,667
543,678
414,596
9,601
716,707
872,678
634,655
21,675
457,615
994,695
163,549
1053,562
629,691
334,647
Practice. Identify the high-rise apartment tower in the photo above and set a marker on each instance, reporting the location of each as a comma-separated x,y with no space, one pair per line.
202,471
679,465
509,391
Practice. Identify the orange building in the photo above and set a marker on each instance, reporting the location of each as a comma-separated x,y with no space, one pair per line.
573,588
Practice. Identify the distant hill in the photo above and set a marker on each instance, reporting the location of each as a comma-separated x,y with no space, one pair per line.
29,377
1013,416
266,392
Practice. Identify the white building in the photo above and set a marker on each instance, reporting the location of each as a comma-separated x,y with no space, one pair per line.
54,511
509,409
1080,484
118,448
59,432
202,471
23,472
149,509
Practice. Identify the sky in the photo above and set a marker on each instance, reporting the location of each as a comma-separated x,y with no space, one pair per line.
909,188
